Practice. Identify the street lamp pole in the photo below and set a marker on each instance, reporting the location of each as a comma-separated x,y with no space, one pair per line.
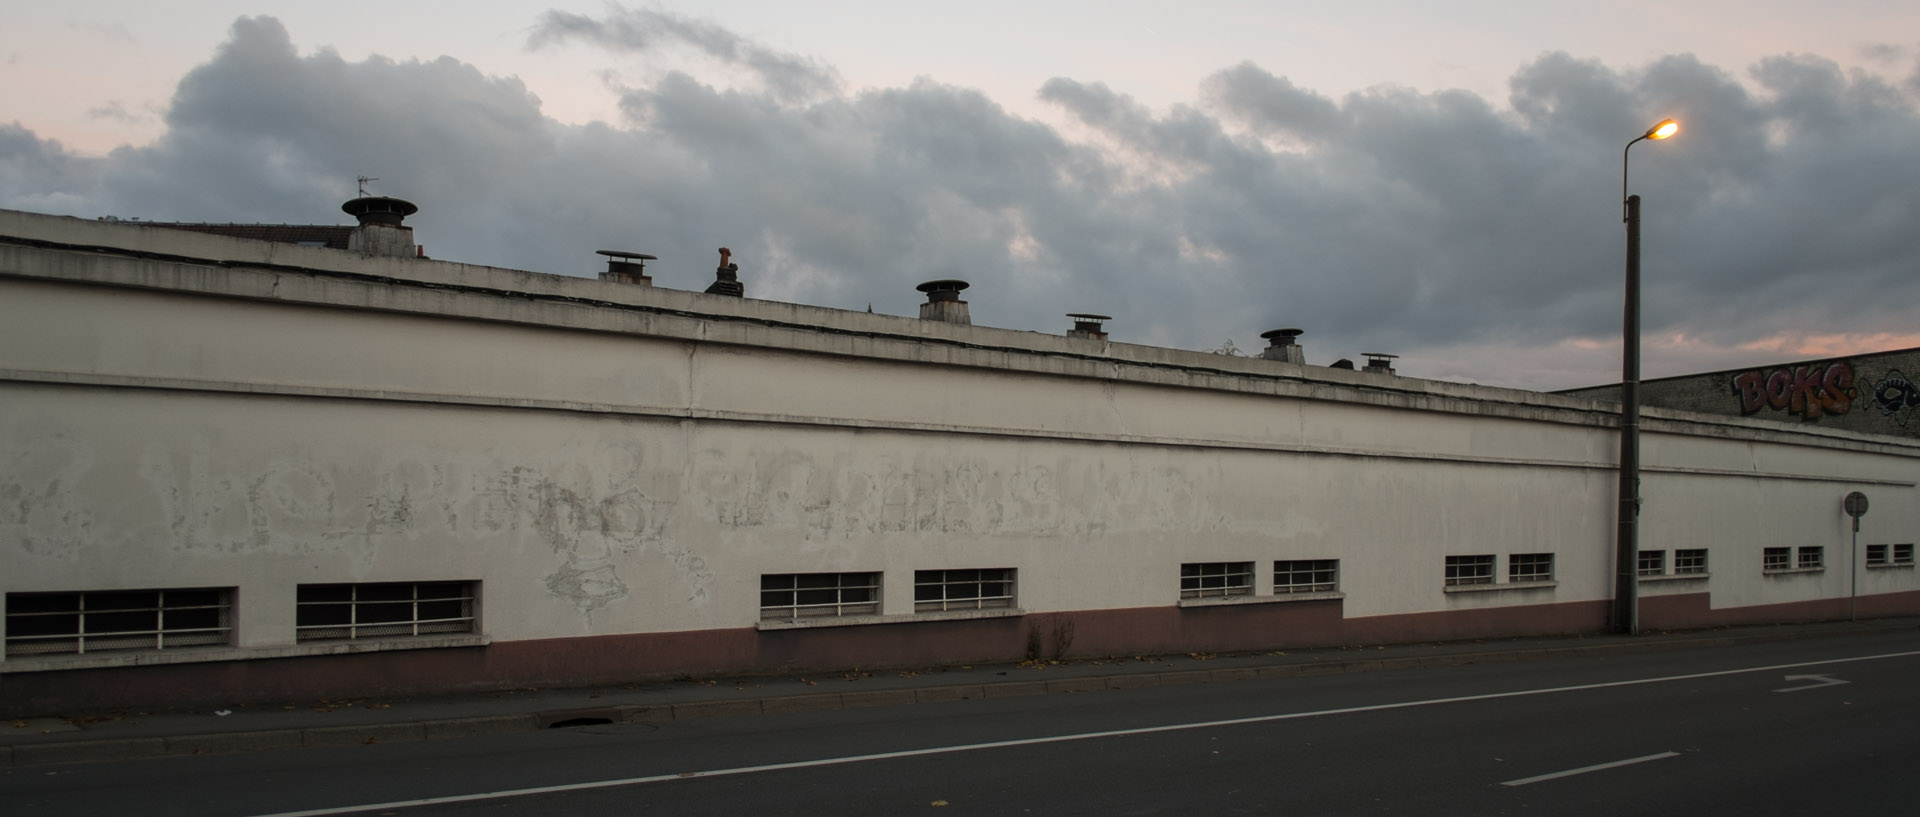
1626,583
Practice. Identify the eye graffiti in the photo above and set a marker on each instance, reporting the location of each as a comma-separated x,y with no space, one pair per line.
1897,397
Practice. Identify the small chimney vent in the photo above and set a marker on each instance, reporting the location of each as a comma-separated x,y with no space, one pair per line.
1087,325
1281,346
627,267
382,210
382,230
726,278
1378,363
943,301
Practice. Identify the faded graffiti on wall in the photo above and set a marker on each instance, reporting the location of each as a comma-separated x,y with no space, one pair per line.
1896,397
1808,391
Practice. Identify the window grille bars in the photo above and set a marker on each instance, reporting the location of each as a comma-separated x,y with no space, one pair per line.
351,612
1306,576
1530,567
1216,579
941,590
1466,570
104,621
791,596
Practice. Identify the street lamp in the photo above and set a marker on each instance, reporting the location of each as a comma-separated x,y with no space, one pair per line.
1626,583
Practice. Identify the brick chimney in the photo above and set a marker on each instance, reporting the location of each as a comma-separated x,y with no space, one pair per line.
726,277
1378,363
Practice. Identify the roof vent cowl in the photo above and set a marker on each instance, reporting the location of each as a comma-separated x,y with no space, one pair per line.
1087,325
382,229
1281,346
943,301
627,267
1378,363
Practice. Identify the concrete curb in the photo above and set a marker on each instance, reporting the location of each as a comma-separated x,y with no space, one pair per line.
88,751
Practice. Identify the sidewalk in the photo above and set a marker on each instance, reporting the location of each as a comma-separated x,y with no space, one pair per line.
119,736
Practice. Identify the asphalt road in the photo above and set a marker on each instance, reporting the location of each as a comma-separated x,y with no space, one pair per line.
1826,726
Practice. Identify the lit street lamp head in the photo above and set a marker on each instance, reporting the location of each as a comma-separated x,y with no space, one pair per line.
1666,129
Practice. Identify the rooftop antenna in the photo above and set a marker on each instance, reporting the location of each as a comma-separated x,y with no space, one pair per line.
363,184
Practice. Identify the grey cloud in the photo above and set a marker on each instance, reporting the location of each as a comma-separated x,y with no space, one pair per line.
1884,53
114,110
1265,102
38,174
789,78
1429,224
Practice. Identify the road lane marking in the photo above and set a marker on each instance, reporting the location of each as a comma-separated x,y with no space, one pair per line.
1819,681
1002,744
1594,768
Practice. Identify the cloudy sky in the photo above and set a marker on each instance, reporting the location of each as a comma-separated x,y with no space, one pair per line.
1438,180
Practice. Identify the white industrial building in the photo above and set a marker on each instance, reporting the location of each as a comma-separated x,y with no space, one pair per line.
234,469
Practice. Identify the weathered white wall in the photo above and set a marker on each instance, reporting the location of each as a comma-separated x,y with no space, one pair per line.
633,461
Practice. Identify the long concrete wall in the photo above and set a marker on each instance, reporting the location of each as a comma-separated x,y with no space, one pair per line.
616,467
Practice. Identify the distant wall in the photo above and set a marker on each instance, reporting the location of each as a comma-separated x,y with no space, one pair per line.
1874,393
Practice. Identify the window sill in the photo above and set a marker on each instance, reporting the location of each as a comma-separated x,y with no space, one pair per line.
1222,601
857,621
1495,588
1900,566
1676,577
1783,571
196,655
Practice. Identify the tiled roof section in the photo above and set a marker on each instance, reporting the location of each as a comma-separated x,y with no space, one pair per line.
320,235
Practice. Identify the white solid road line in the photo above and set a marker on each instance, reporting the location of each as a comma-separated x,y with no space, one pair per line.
1594,768
1001,744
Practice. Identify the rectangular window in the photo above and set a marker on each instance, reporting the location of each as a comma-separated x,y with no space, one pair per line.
1464,570
1776,559
1306,576
352,612
1653,562
103,621
1812,557
1530,567
1877,554
1689,562
1208,579
1903,554
937,590
790,596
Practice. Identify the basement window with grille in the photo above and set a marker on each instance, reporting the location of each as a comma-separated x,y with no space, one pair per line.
1216,579
1776,559
1469,570
942,590
795,596
1530,567
357,612
1690,562
1652,563
1306,576
117,620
